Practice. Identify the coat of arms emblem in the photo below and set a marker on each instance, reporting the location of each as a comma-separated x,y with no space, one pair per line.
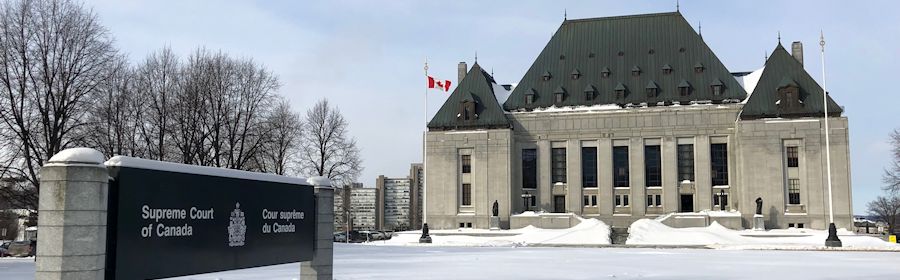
237,228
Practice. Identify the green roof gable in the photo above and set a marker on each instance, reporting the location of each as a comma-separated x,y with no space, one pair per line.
648,43
476,86
781,71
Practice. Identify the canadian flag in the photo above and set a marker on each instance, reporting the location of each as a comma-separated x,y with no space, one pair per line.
438,84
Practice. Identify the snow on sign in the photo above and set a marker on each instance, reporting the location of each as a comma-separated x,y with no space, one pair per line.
169,220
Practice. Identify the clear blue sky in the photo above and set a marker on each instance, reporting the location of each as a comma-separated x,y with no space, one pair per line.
367,57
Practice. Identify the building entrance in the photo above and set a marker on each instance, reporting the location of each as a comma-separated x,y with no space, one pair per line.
559,204
687,203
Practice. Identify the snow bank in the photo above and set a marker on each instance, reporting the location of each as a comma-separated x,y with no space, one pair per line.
589,232
652,232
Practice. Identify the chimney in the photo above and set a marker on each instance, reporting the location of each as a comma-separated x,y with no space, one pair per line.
797,51
461,71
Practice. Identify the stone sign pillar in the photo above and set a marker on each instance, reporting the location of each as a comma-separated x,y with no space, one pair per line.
72,216
321,268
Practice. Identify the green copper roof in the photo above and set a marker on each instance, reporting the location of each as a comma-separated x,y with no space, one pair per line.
617,44
477,86
783,70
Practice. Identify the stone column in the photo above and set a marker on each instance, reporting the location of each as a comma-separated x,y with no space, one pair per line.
321,265
72,216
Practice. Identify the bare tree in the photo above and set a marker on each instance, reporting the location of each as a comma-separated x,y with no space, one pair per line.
327,149
891,177
115,121
886,209
53,56
285,128
157,85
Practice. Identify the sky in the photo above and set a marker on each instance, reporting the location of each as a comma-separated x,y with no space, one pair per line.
367,57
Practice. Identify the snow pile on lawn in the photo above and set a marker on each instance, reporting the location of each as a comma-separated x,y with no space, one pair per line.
652,232
589,231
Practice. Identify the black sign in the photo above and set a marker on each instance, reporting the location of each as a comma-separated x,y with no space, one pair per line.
166,224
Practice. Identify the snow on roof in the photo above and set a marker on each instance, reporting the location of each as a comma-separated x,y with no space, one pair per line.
598,108
501,93
133,162
749,82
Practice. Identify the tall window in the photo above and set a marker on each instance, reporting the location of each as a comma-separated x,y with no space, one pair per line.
529,168
589,167
466,163
652,166
620,166
686,162
792,156
558,155
719,158
466,195
793,191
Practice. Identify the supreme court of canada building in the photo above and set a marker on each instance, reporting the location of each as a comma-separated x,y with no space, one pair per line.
631,117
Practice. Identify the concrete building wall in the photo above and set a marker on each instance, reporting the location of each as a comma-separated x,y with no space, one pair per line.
754,148
763,168
489,177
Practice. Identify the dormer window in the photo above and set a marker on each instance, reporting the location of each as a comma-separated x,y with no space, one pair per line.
620,91
717,87
560,95
667,69
589,93
652,89
605,72
698,68
467,110
788,95
684,88
529,96
635,71
546,76
575,74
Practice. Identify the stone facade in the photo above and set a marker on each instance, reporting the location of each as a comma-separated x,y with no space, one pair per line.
755,156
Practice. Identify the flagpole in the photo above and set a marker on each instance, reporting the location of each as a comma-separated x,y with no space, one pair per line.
425,153
832,240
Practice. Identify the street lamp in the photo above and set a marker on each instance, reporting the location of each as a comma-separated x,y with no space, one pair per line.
526,197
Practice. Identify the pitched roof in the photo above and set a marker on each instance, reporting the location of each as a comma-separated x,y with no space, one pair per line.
618,44
783,70
478,85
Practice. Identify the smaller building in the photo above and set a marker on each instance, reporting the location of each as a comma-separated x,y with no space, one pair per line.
395,210
416,180
359,207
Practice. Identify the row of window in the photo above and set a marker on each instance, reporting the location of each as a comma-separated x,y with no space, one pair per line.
606,73
621,91
621,168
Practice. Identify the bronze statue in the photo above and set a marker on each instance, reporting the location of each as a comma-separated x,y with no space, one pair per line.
759,205
496,209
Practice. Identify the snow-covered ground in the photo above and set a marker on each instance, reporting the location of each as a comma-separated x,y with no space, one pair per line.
589,231
652,232
408,262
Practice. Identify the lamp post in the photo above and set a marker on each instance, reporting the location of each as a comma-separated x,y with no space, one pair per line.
525,198
832,240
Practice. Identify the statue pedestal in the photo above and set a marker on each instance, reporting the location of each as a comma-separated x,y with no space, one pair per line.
495,223
758,222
